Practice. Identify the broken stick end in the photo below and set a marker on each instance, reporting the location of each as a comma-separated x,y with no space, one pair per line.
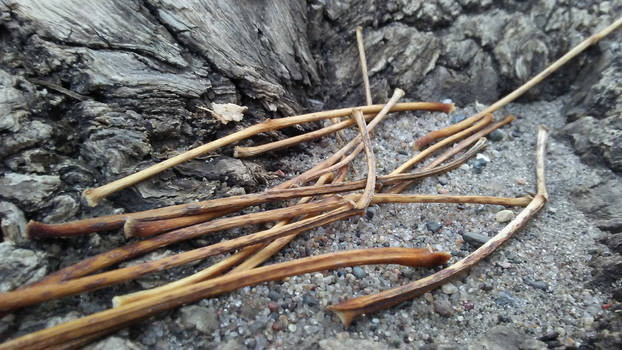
33,230
116,302
345,316
129,228
91,197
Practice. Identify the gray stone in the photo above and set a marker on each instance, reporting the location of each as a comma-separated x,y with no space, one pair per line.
30,134
606,270
504,216
505,338
443,307
537,284
232,344
433,226
598,141
64,207
6,322
475,239
349,344
602,202
449,288
19,266
29,191
359,272
505,298
615,242
113,343
496,135
13,223
203,319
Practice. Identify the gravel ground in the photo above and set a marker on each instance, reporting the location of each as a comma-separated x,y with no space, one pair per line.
139,106
533,284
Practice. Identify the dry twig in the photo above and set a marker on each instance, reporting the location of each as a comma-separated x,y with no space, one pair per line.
352,308
242,152
261,253
368,193
150,219
457,148
423,141
361,47
426,152
94,195
101,322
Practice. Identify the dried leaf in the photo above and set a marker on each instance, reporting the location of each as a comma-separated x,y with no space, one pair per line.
227,112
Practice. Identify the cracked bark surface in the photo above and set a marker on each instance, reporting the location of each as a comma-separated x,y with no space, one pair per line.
145,66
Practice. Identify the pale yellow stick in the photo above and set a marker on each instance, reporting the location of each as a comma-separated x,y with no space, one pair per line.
212,270
359,40
94,195
529,84
368,193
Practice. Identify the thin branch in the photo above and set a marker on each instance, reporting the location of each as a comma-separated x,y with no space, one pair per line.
316,171
40,293
349,309
242,152
117,255
94,195
36,294
430,198
368,193
361,47
421,155
526,86
110,319
219,206
457,148
263,252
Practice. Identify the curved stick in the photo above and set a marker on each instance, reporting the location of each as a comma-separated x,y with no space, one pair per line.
94,195
423,141
352,308
109,319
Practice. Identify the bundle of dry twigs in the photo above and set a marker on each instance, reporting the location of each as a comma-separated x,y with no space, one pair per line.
330,199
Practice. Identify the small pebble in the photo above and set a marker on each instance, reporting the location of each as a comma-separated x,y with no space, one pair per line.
549,337
475,239
520,181
537,284
478,165
482,157
459,117
359,272
273,295
496,136
487,287
449,288
371,211
504,215
292,328
504,298
447,100
309,300
277,326
443,190
433,226
442,181
515,133
467,305
428,297
442,307
274,307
